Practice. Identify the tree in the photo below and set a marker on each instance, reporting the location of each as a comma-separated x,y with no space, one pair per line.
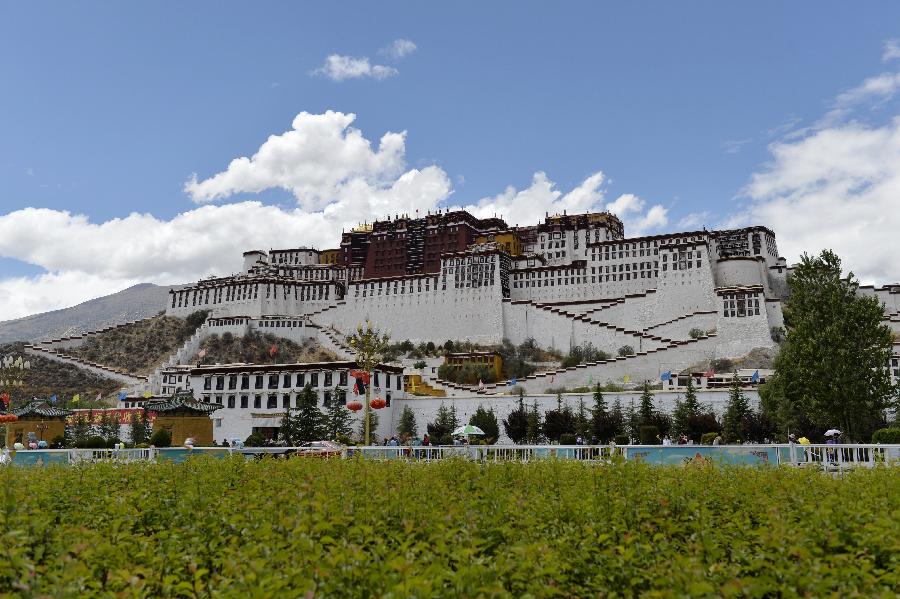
370,345
109,426
603,426
406,427
444,423
832,366
305,422
486,420
533,425
617,419
337,416
558,422
685,410
140,429
582,422
735,412
79,430
645,411
626,350
632,422
372,425
516,423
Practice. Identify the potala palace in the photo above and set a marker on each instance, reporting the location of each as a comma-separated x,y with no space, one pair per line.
675,300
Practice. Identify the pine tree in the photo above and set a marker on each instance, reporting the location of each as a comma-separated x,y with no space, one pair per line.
632,422
516,423
645,412
406,427
533,425
737,409
305,422
337,416
486,420
558,422
373,425
582,422
79,430
617,419
140,430
444,424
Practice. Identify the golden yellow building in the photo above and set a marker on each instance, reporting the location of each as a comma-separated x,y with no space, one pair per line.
39,421
184,417
414,384
507,241
329,256
491,359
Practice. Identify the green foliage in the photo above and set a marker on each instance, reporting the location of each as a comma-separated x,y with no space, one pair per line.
559,422
419,364
161,438
93,442
406,427
516,424
581,354
696,333
735,413
567,439
708,438
304,423
336,421
373,426
832,366
603,425
468,374
886,436
621,440
533,425
645,411
582,420
255,440
444,423
194,321
486,420
79,430
649,435
626,350
225,528
140,428
109,426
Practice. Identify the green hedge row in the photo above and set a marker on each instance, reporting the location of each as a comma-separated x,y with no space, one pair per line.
331,528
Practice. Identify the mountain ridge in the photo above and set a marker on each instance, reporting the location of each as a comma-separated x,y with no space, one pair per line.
134,303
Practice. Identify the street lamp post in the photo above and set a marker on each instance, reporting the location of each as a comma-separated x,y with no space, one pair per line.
369,344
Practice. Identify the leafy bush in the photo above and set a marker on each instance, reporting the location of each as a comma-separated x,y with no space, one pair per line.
112,442
229,543
254,440
708,438
419,364
567,439
626,350
161,438
94,442
621,439
696,333
886,436
468,374
650,435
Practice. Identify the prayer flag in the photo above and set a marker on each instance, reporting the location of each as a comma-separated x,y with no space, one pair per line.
755,377
709,373
201,353
273,351
76,398
511,382
122,396
52,399
626,379
99,397
480,384
147,394
666,376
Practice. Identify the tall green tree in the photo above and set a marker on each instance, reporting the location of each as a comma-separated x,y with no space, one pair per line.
832,367
337,417
516,423
645,410
558,422
140,427
582,421
305,422
617,419
406,426
444,423
486,420
372,419
533,425
736,411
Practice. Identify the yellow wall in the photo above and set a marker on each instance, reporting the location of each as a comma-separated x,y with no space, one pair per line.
494,362
329,256
421,387
182,427
508,241
48,431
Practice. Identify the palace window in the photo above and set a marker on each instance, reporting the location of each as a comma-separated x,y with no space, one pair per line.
272,402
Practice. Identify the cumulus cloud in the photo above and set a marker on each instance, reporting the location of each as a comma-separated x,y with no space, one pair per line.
338,179
398,49
872,93
835,188
340,68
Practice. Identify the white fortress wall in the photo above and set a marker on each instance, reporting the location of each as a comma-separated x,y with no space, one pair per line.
681,327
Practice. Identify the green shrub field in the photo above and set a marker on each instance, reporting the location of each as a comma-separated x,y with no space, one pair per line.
314,528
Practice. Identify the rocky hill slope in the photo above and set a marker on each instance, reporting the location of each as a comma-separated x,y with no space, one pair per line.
134,303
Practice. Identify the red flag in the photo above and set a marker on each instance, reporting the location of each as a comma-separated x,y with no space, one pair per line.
355,389
4,399
273,350
709,373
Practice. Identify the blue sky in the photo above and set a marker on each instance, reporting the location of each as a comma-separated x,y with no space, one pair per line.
109,108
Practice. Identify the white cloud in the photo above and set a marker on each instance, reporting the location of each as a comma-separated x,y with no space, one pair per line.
694,221
398,49
339,68
835,188
891,50
337,178
733,146
872,92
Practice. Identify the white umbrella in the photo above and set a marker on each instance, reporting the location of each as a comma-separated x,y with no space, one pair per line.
832,431
468,429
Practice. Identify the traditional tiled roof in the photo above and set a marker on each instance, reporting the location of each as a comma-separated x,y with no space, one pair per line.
41,408
182,402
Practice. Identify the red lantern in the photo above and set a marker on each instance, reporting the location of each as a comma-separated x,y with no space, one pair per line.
377,403
354,406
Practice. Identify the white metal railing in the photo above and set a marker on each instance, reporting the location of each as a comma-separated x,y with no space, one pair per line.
112,455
